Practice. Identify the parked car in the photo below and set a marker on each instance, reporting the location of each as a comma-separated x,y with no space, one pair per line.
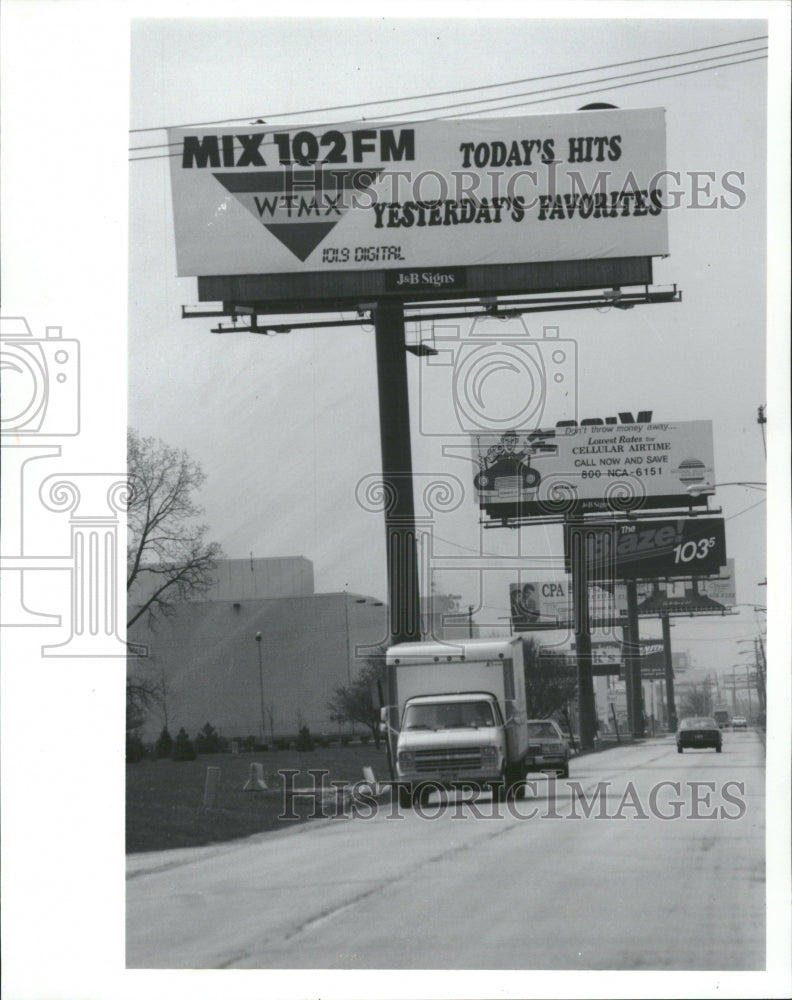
548,749
698,731
739,722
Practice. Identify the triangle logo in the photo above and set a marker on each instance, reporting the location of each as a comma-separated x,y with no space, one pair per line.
299,206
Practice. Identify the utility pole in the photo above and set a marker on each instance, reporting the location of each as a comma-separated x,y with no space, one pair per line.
261,683
748,685
579,544
634,662
470,621
669,673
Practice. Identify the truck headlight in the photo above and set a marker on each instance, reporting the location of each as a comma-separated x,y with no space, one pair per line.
407,760
489,755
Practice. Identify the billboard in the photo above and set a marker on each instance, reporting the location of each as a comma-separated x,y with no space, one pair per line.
546,604
577,470
419,199
689,596
691,546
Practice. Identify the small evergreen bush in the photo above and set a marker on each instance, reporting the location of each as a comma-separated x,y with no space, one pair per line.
183,748
304,740
164,745
135,751
209,740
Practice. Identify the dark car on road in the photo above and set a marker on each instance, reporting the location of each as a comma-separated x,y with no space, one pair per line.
698,731
548,750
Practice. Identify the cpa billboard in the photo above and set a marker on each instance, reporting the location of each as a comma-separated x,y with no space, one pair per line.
547,604
279,199
609,467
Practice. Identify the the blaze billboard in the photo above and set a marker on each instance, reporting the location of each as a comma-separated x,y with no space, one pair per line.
605,468
406,197
675,547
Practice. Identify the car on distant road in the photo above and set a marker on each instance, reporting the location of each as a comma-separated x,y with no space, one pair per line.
739,722
548,749
698,732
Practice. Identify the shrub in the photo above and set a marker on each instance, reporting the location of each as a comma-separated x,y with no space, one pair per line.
183,748
164,745
209,740
304,740
282,743
135,751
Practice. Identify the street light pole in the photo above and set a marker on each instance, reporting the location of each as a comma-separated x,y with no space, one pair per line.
261,683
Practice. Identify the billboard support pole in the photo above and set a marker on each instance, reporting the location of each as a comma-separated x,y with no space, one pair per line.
394,414
404,619
627,673
669,674
634,661
579,566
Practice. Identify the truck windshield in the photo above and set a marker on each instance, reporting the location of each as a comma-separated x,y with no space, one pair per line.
449,715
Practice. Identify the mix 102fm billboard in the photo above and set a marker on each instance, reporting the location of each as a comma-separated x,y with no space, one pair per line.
571,470
267,199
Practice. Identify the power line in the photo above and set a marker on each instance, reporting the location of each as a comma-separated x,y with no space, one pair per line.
467,104
502,107
745,510
621,86
459,90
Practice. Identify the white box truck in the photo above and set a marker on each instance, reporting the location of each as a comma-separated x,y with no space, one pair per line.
457,716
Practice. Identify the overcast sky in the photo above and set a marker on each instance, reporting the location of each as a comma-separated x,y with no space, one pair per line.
286,427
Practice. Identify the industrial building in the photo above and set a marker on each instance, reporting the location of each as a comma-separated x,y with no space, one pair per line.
216,671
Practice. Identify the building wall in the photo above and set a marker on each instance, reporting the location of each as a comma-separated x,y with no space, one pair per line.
247,579
244,579
310,645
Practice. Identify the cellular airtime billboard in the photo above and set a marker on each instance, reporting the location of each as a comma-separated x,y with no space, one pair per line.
418,200
590,469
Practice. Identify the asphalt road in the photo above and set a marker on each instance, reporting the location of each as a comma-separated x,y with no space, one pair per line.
536,885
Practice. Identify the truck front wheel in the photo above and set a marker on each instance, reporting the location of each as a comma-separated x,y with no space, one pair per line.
405,796
499,788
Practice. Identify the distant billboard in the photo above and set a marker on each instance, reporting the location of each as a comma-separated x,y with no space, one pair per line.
418,200
576,470
691,546
547,604
689,596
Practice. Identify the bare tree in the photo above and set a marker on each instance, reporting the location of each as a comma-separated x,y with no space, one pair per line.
695,700
168,557
358,702
163,696
550,680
